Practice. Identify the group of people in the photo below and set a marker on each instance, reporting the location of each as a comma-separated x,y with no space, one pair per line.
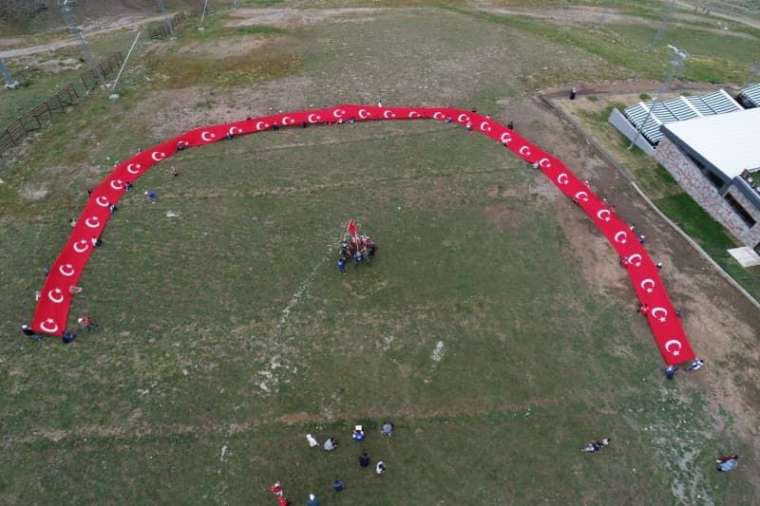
330,445
355,246
85,323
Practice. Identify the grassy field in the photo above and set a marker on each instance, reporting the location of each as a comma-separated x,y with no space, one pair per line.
226,333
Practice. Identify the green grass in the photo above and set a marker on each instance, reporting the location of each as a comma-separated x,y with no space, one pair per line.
714,58
711,235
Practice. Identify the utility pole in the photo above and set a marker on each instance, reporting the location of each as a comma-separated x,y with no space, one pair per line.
203,15
115,84
10,83
76,32
168,19
667,18
677,61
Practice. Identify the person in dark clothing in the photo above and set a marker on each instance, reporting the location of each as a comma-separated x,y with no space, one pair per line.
364,459
338,485
670,372
511,125
27,330
128,186
341,264
68,337
573,93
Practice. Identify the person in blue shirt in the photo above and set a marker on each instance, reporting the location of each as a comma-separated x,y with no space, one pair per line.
341,264
313,501
726,464
338,485
358,434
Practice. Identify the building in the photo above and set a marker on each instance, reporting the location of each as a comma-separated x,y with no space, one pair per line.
750,96
716,160
641,123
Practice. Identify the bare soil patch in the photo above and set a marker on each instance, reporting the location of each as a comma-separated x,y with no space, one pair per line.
294,17
230,46
198,105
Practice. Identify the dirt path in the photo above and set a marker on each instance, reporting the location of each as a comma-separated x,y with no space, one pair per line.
120,24
743,20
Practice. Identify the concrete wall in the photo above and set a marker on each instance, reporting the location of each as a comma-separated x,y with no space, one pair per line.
622,125
691,179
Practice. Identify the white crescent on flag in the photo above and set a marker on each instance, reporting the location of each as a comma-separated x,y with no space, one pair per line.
662,312
81,246
648,285
55,295
582,196
48,325
604,214
675,343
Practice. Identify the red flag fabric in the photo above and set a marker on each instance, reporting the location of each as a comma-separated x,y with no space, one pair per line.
351,228
51,314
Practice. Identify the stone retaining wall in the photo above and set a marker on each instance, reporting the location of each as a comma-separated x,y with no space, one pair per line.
696,184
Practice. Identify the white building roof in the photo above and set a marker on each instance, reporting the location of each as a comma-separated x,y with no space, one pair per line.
730,141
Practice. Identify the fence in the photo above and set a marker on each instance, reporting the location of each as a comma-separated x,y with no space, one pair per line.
163,31
33,119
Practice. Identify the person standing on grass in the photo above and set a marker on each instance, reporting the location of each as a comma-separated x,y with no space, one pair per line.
313,501
68,337
364,460
387,429
670,371
338,485
341,264
151,196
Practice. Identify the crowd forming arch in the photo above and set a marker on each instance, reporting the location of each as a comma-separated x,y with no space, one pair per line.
52,311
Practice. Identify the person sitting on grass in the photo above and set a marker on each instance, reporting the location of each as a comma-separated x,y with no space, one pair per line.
358,434
727,463
596,446
86,322
330,444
